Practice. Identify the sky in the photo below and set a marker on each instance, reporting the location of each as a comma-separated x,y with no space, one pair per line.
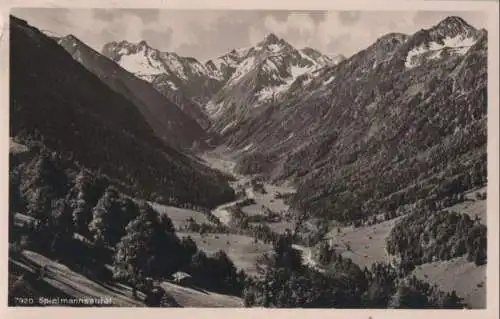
209,34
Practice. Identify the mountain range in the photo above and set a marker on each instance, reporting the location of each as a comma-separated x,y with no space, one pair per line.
218,82
265,145
331,125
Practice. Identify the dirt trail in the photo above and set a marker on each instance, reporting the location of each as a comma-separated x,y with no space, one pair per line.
224,163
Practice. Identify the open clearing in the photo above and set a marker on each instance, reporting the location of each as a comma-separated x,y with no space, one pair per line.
242,250
467,279
179,216
268,199
366,243
68,283
472,207
73,284
16,148
252,210
188,297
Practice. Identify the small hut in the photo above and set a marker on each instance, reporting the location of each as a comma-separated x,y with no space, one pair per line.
182,278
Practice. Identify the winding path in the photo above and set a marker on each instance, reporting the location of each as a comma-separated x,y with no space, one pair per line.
223,214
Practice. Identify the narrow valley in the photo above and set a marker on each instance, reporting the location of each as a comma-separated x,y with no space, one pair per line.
270,174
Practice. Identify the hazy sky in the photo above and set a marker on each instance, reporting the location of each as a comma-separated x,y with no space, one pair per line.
208,34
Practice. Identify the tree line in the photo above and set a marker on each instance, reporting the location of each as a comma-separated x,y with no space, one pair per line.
428,236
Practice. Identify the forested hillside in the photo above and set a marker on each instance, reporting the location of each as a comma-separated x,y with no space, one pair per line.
376,132
70,111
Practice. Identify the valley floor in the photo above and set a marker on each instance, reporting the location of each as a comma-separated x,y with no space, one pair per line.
364,245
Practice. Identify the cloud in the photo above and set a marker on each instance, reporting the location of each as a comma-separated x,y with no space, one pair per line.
429,18
349,17
144,14
298,28
207,34
227,33
347,32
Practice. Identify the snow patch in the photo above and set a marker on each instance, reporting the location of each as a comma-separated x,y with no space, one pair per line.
218,63
172,86
227,127
198,68
174,65
241,71
459,43
141,64
296,70
146,77
229,61
274,47
213,109
272,91
330,80
243,51
461,50
306,82
306,57
270,66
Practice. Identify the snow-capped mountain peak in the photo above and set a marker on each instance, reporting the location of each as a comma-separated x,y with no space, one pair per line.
146,62
261,75
450,36
181,79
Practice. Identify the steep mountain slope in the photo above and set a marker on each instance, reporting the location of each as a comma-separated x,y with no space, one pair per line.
166,119
451,36
261,74
182,79
375,132
58,102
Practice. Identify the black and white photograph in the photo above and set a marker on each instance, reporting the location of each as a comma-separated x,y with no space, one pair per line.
264,158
